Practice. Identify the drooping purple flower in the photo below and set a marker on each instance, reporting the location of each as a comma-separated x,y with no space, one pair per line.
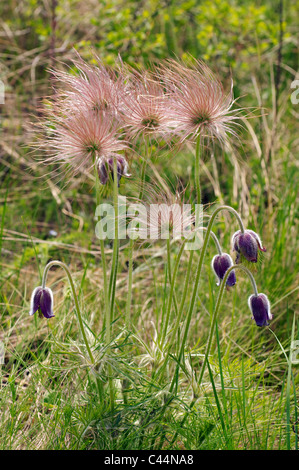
102,171
42,301
247,244
260,308
220,264
105,166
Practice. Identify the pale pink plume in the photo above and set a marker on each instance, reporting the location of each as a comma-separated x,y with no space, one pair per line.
198,104
93,87
81,140
144,106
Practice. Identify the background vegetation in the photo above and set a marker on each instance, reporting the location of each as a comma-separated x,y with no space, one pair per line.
48,400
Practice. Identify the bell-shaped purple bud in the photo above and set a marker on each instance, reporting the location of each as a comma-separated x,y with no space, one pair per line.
121,168
42,301
220,264
102,171
247,244
260,308
105,166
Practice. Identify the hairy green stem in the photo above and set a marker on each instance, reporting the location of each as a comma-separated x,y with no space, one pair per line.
197,170
217,307
212,328
78,312
115,253
144,165
179,314
102,247
75,298
199,267
172,279
113,276
130,282
179,317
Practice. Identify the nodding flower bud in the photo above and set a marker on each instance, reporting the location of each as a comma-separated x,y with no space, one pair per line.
42,301
260,308
220,264
105,166
247,244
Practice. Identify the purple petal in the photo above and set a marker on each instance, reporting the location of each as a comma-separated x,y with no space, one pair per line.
248,246
46,303
102,172
259,242
220,264
35,300
231,280
260,308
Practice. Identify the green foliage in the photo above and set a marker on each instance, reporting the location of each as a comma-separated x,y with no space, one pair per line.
48,394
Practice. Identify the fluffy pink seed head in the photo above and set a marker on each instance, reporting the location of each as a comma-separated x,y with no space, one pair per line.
94,88
199,104
144,108
81,139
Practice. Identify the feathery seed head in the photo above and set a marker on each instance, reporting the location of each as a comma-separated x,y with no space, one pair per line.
94,88
198,102
80,139
164,216
144,107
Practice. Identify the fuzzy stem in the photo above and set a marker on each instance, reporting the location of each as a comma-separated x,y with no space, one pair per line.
131,243
115,254
144,165
217,307
130,282
216,241
172,279
62,265
102,247
199,268
213,323
113,275
197,170
179,315
105,282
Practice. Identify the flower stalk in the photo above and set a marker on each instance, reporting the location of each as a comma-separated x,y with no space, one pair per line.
217,307
199,267
75,298
197,170
211,333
